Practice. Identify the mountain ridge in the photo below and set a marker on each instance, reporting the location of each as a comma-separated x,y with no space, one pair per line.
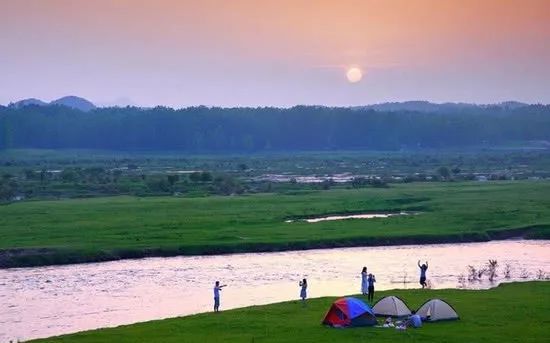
424,106
427,106
71,101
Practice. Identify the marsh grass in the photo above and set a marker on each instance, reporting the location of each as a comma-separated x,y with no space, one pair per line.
100,229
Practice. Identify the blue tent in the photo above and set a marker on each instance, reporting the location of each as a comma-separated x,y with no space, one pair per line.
349,312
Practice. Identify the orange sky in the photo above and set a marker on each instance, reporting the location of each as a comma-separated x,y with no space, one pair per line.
245,52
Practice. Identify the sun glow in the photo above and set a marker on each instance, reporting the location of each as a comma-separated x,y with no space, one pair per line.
354,74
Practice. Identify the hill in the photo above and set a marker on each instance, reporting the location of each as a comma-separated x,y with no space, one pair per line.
69,101
28,102
74,102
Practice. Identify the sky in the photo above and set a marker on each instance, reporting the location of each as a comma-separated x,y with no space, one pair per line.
275,52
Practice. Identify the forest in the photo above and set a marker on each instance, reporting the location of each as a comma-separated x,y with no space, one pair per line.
243,130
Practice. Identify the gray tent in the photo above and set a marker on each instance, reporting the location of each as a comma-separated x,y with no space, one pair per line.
436,309
391,306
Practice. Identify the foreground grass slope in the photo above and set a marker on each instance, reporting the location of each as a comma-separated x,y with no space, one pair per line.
68,231
518,312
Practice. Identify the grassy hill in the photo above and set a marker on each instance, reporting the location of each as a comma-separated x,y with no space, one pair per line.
518,312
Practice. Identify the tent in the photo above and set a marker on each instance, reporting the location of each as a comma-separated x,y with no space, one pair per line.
391,307
436,309
349,312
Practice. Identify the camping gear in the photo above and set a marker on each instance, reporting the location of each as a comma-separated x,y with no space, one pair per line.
391,306
349,312
436,309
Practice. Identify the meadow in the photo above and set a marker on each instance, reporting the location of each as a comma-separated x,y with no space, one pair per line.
108,228
516,312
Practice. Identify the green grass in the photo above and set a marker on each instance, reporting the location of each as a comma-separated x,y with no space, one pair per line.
518,312
67,231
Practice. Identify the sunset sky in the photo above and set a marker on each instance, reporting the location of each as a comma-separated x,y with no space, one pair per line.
275,53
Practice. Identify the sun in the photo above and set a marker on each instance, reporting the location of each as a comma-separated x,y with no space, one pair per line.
354,74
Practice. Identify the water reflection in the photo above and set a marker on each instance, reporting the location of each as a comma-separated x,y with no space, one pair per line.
351,216
46,301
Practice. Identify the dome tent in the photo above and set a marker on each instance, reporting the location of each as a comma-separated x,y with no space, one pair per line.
436,309
391,306
349,312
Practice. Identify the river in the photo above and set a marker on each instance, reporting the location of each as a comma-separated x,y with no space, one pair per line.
47,301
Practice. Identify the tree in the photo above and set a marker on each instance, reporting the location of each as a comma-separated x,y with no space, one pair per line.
158,185
44,176
298,128
116,175
29,174
227,185
69,175
8,189
359,181
172,179
326,184
206,177
195,176
444,172
378,183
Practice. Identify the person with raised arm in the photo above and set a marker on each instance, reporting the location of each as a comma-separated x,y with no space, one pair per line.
371,280
303,291
423,269
217,289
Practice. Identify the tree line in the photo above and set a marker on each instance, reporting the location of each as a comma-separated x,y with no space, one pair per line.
300,128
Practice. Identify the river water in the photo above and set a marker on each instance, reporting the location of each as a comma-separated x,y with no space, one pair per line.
47,301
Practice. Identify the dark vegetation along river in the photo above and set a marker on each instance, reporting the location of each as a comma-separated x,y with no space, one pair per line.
47,301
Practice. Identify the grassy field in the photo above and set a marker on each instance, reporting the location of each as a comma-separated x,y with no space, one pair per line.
70,174
518,312
68,231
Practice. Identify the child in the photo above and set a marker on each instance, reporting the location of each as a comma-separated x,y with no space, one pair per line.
371,280
303,291
217,289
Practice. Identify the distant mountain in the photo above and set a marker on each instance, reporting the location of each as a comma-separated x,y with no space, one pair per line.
426,106
118,102
27,102
412,106
512,105
74,102
69,101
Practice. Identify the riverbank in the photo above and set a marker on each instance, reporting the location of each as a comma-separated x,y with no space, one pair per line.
102,229
17,258
108,294
510,312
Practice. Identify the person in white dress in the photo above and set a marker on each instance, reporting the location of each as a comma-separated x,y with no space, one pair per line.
364,282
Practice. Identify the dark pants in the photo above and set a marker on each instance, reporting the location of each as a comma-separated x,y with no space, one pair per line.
423,281
371,293
216,304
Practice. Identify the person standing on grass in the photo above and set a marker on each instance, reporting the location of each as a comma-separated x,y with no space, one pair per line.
364,284
217,289
303,291
371,280
423,269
